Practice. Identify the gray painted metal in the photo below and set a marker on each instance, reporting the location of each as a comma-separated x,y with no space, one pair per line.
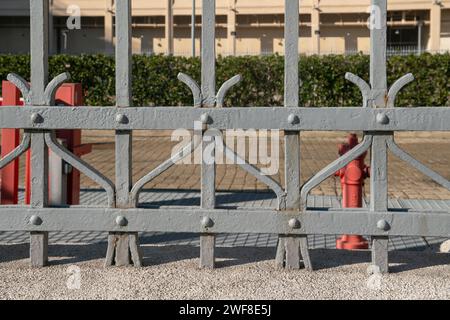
123,215
39,155
227,220
271,118
379,95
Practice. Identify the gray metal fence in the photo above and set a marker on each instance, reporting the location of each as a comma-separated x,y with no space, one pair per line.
123,217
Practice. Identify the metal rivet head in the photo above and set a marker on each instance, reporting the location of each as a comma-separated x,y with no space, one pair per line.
35,220
294,223
121,118
205,118
382,118
207,222
121,221
36,118
383,225
293,119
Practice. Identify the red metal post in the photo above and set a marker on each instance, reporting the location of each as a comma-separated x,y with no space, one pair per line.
352,182
9,141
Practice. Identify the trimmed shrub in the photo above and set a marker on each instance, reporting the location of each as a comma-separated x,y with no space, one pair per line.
322,78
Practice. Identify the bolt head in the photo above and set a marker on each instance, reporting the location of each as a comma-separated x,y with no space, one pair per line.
121,221
383,225
382,118
293,119
294,223
207,222
35,220
205,118
121,118
36,118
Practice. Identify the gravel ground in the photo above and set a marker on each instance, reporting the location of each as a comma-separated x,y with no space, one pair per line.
171,272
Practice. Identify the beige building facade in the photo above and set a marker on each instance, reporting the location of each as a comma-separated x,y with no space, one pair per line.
243,26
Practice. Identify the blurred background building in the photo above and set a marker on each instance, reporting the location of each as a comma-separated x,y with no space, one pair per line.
244,27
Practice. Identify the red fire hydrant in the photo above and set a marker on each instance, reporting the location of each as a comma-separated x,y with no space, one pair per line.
352,182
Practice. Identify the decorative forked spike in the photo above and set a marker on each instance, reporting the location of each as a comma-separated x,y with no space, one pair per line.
52,87
22,85
362,85
396,87
226,86
195,88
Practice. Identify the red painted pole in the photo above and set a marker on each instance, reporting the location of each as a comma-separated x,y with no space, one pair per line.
9,141
352,182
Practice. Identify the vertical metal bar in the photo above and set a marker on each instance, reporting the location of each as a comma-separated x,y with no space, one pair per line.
291,99
39,50
288,246
39,14
378,36
209,53
291,34
378,80
123,99
193,28
119,243
208,170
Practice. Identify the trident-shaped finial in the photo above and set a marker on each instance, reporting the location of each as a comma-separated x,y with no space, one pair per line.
197,93
50,90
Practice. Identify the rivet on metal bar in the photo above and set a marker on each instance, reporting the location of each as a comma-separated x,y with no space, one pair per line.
121,221
36,220
294,223
383,225
207,222
293,119
122,119
382,118
36,118
205,118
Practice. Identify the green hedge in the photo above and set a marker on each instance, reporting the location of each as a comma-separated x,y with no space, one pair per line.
323,84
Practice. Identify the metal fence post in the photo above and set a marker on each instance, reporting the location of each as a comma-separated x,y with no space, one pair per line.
39,10
120,250
292,248
378,81
208,87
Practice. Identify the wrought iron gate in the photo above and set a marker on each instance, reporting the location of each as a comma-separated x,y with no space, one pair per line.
293,221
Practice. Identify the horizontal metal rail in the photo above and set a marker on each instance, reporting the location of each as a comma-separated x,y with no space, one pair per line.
271,118
249,220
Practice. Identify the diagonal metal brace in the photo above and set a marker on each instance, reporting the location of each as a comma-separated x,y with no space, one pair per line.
82,166
333,167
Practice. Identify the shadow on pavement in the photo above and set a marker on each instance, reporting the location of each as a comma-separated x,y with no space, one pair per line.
60,254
